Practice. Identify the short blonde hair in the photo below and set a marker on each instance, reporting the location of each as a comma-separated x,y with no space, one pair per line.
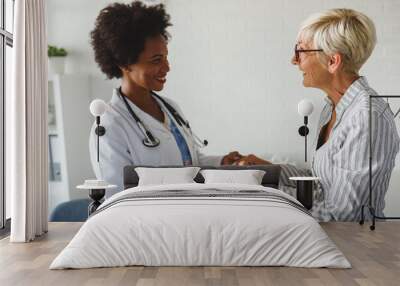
344,31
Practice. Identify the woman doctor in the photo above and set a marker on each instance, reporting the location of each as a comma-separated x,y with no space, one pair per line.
130,43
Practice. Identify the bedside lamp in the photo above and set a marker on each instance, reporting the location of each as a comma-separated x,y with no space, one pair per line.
97,188
305,108
97,108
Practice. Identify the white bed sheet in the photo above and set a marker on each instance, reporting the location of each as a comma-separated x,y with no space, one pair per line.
200,231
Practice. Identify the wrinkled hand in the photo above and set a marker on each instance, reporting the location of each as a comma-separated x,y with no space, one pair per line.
251,160
231,158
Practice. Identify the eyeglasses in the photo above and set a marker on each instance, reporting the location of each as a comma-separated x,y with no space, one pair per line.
298,51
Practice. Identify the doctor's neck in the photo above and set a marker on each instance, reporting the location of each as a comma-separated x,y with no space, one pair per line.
137,94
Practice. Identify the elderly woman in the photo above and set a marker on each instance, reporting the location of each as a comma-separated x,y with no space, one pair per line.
330,50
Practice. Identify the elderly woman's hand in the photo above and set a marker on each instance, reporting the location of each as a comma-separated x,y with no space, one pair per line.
232,158
252,160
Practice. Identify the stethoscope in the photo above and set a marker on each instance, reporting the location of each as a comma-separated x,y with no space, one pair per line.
149,139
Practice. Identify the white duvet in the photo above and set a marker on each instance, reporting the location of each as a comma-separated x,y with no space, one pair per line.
183,231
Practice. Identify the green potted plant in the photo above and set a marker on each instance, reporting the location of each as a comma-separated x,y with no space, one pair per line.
56,59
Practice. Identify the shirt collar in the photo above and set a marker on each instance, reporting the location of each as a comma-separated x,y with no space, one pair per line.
348,97
351,93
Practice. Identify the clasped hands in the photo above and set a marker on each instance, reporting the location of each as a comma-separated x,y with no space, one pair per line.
235,158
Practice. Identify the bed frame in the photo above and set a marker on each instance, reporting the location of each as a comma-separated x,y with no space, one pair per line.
270,179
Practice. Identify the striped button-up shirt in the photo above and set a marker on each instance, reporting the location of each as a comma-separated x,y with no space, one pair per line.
342,162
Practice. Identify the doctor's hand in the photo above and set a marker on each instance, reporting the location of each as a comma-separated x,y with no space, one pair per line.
231,158
251,160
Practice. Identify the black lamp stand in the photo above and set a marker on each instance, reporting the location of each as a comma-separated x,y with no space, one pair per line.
100,131
303,131
97,194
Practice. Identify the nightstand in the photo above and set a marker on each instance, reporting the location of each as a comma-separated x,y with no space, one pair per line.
97,190
304,190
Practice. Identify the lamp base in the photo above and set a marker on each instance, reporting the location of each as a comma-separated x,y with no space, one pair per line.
304,193
96,195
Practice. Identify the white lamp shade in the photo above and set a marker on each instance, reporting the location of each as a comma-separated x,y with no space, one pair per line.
98,107
305,107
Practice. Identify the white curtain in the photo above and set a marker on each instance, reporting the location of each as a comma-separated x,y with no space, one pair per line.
26,123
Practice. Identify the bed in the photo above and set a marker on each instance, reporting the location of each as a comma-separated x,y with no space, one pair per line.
201,224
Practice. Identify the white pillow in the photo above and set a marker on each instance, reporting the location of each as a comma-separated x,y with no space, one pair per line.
248,177
166,176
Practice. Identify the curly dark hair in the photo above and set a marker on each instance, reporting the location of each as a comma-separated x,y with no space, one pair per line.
121,31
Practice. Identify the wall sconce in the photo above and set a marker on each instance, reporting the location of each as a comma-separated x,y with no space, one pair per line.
305,108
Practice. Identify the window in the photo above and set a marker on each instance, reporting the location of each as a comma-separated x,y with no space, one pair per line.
6,44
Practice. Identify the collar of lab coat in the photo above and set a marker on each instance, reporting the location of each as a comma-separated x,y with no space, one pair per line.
149,121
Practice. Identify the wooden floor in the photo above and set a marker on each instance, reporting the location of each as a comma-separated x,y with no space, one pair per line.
374,255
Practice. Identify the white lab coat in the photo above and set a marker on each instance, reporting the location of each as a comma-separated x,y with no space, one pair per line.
122,143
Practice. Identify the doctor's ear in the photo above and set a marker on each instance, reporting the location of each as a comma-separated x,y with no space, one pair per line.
125,69
334,62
